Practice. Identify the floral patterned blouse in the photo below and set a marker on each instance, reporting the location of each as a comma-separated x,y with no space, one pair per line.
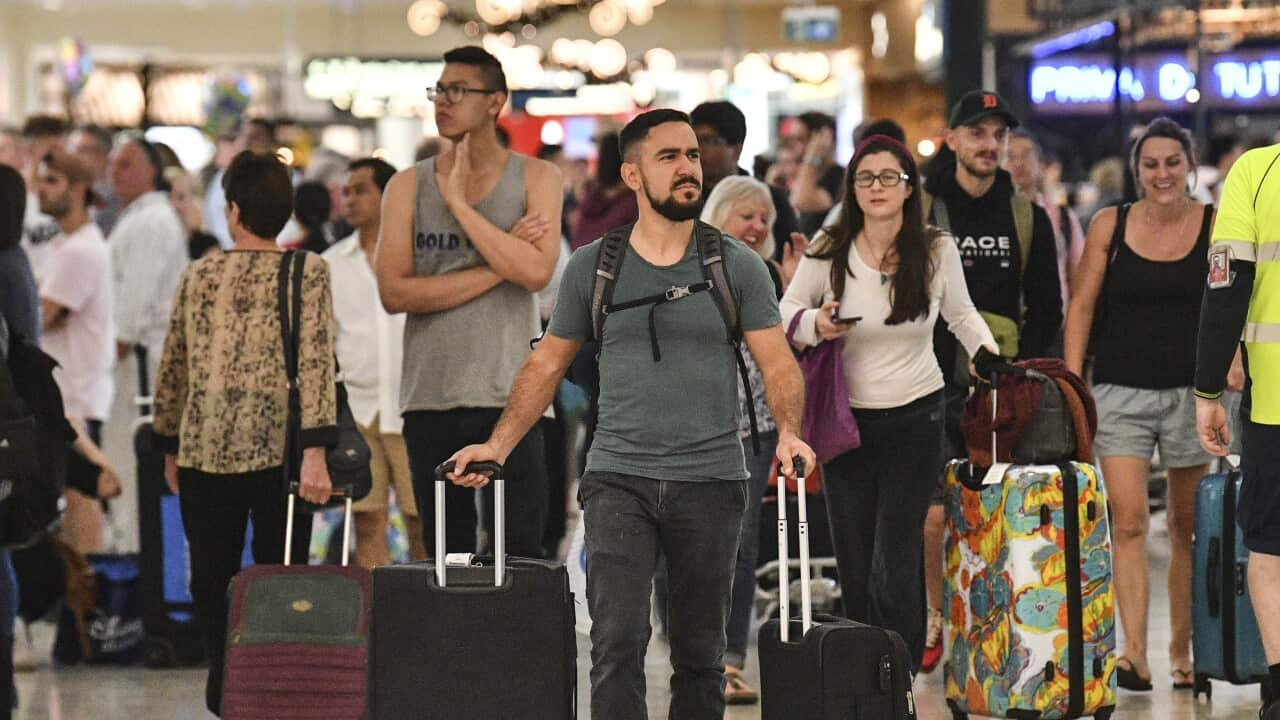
222,396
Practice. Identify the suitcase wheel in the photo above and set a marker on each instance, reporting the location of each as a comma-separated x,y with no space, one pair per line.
1202,687
1104,713
159,653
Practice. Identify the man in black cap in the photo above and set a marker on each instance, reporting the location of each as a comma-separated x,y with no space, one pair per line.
721,129
1010,262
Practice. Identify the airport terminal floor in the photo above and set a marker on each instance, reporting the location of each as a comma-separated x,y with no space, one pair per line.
138,694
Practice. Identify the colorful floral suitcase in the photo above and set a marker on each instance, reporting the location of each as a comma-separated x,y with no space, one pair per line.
1028,593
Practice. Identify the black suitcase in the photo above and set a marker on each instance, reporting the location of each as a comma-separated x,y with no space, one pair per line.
835,669
462,638
172,638
171,635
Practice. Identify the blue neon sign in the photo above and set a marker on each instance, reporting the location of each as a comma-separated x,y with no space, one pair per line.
1088,83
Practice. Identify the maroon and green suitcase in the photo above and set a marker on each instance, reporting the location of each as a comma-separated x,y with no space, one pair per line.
298,639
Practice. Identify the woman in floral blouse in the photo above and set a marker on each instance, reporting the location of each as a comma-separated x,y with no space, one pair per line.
222,397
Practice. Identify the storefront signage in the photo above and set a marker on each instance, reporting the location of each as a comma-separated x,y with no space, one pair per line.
1087,83
371,86
811,24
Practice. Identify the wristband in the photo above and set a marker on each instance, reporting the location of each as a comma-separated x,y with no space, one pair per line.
813,162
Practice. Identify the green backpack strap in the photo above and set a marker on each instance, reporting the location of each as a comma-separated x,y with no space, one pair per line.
613,250
1024,223
710,243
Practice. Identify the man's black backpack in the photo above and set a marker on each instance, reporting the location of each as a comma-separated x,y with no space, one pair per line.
715,279
34,436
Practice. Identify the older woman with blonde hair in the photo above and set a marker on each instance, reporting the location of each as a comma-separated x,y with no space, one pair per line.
742,207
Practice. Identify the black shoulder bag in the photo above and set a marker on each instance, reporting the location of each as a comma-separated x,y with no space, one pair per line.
349,459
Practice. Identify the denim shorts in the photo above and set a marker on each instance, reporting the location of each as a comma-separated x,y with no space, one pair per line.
1132,421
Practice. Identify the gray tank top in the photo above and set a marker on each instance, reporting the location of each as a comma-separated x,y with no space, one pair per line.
466,356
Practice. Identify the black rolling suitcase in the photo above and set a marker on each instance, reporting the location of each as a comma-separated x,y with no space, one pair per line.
833,669
458,637
171,637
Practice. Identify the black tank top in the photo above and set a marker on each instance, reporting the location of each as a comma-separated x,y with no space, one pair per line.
1152,315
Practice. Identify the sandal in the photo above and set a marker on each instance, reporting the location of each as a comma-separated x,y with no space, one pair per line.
1183,679
736,689
1129,679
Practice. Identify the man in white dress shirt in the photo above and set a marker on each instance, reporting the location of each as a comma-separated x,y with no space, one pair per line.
148,249
370,347
257,134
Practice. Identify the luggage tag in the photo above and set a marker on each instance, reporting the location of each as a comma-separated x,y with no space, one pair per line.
1220,273
995,474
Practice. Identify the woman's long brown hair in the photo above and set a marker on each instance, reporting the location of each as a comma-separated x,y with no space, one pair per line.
909,289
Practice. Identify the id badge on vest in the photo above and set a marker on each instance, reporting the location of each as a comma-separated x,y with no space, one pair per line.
1220,273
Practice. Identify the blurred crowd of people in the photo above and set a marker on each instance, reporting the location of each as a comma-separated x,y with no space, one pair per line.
112,222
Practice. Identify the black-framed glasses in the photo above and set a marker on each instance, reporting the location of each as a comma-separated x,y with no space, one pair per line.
454,93
887,178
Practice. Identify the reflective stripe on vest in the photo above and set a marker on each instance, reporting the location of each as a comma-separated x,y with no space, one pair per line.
1259,332
1248,252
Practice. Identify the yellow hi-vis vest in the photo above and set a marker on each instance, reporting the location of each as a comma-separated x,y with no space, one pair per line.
1248,223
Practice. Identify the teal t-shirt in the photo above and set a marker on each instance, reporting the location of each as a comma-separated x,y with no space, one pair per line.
676,419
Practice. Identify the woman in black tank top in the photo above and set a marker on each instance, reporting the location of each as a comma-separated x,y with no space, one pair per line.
1135,309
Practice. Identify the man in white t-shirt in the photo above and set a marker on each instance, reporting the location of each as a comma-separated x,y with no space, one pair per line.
370,348
75,289
74,283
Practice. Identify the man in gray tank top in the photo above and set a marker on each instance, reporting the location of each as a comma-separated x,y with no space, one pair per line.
666,470
448,258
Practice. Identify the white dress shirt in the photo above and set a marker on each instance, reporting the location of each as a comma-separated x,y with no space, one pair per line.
370,342
215,211
148,254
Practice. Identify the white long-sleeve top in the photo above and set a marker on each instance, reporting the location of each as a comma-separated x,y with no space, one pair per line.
887,366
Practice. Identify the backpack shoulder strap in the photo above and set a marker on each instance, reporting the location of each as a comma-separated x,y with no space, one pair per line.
710,243
613,249
1024,224
937,210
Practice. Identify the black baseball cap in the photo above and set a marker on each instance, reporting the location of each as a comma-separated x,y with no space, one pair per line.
978,104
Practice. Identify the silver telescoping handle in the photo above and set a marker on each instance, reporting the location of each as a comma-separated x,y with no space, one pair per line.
995,415
345,494
784,557
494,471
806,591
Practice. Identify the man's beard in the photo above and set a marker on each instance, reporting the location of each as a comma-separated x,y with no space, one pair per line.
674,210
57,209
976,172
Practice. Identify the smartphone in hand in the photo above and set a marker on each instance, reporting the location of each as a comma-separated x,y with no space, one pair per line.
835,318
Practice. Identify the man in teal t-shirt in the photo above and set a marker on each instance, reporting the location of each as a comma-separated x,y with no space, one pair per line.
666,471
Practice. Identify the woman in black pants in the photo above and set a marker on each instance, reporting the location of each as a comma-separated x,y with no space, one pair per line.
879,278
222,397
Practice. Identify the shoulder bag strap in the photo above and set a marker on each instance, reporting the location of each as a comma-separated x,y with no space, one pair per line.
1024,222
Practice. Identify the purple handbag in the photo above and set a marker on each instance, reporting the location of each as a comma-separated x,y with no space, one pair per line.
828,422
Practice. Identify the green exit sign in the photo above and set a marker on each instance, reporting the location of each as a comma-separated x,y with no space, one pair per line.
811,24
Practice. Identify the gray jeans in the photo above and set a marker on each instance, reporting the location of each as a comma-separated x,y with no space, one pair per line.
695,525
